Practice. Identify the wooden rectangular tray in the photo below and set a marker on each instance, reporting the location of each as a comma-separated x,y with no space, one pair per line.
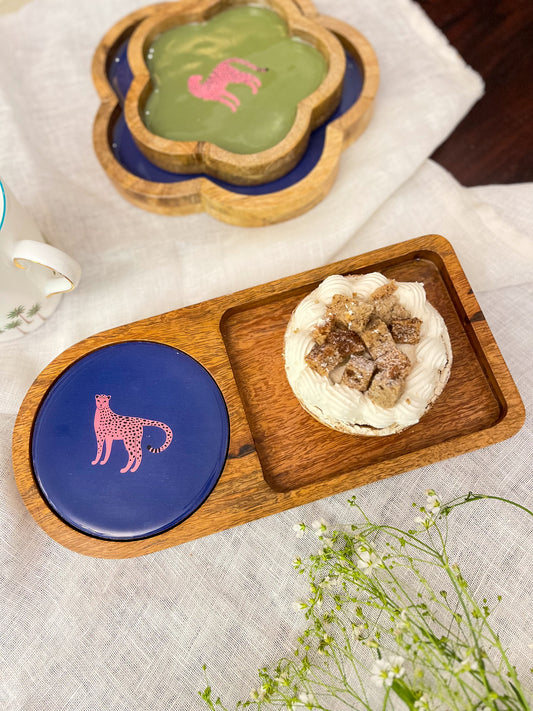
279,456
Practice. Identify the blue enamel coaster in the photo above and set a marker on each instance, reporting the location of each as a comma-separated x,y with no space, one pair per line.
130,440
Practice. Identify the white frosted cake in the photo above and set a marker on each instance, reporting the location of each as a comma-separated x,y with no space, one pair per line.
366,355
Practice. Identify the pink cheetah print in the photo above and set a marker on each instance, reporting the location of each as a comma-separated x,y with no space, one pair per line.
214,87
108,426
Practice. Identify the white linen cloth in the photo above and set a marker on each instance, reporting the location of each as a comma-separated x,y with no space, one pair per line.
79,633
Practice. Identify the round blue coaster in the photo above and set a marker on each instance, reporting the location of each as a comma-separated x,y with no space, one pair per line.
130,440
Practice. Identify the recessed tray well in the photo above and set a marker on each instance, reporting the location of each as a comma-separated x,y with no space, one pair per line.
279,456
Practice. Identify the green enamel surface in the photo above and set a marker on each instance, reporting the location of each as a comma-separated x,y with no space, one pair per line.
295,70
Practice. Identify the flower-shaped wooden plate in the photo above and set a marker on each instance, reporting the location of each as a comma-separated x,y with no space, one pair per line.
231,90
148,186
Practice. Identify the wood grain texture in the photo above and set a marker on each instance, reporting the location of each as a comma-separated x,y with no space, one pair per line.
200,194
279,457
494,142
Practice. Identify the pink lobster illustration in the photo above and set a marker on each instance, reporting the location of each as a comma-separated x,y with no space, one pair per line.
213,88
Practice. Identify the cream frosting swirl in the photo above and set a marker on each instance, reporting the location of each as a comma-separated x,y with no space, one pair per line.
334,401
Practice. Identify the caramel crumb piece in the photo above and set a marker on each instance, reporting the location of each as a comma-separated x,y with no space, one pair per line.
358,372
346,342
350,312
385,391
384,291
389,308
377,338
322,330
394,363
406,330
323,358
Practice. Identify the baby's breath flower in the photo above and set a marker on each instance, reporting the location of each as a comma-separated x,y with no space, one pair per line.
283,679
329,582
300,605
402,623
357,631
306,698
368,560
379,673
439,646
396,664
300,529
466,665
433,505
384,671
424,521
258,694
422,703
431,510
319,527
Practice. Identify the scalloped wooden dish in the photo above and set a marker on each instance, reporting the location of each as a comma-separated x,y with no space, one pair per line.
279,456
202,194
209,158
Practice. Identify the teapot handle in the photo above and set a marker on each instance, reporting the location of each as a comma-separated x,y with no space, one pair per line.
66,271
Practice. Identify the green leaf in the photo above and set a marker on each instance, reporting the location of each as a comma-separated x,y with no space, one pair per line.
404,693
520,698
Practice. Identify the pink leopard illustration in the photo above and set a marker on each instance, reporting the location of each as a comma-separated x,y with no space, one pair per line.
108,427
214,87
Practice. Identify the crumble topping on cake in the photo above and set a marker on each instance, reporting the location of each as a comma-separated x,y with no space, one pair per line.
361,334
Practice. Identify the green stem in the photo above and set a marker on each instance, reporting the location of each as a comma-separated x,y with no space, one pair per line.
476,497
386,699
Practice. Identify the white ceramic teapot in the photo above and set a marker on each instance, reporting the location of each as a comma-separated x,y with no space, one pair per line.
33,274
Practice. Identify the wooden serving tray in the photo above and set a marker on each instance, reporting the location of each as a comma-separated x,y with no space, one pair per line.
279,456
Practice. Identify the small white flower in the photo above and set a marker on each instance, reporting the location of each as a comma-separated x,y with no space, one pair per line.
422,703
466,665
319,527
402,623
258,694
404,620
368,560
432,509
396,667
300,529
384,672
432,505
299,605
357,631
379,672
306,698
329,582
426,521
